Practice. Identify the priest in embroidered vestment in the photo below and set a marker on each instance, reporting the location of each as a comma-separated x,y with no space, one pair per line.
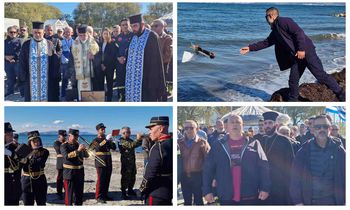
80,63
37,69
145,79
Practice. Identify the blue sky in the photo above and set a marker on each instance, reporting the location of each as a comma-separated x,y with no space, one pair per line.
67,8
83,118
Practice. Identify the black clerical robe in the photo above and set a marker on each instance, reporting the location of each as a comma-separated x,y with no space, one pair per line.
152,85
280,155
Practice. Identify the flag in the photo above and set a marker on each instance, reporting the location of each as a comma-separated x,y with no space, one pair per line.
339,110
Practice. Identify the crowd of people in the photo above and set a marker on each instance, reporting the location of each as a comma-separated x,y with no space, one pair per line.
25,176
281,164
133,58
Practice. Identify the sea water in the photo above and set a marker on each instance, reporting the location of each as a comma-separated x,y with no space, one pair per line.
224,28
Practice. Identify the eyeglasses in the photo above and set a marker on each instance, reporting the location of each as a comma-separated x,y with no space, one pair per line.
155,26
13,32
319,127
188,128
23,30
335,129
126,132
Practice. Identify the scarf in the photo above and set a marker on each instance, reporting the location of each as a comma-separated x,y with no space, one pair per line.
83,66
134,67
39,53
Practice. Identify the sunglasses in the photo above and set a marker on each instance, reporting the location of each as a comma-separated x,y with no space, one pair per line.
188,128
319,127
269,15
13,32
155,26
127,132
23,30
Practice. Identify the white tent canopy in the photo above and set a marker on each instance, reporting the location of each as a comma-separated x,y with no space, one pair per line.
249,114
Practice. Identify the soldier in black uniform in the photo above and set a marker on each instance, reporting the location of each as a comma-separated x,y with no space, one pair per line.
62,135
34,183
157,183
13,188
104,167
73,168
127,158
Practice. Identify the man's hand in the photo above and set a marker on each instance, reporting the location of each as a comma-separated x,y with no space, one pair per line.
244,50
103,67
300,54
209,198
90,56
121,60
81,147
139,137
263,195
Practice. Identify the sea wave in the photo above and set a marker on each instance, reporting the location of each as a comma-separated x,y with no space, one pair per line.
328,36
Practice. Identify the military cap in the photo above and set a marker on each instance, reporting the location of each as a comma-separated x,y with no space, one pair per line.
38,25
33,135
100,125
161,120
74,132
135,19
8,127
270,115
62,132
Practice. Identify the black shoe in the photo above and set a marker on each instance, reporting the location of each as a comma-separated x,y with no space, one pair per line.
101,201
124,196
109,198
131,192
59,196
341,96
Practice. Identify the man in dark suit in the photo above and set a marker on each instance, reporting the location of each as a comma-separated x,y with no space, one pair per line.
294,50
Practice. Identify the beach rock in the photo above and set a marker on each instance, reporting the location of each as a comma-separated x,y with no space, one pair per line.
313,91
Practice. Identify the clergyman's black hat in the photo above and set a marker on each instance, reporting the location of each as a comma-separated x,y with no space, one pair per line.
74,132
82,29
38,25
161,120
62,132
135,19
8,127
100,125
270,115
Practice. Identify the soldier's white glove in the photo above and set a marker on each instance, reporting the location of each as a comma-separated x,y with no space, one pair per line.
8,152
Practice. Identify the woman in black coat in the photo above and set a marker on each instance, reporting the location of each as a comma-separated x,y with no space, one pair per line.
105,64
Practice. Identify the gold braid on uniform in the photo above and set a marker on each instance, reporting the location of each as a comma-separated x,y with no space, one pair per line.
72,154
143,186
13,164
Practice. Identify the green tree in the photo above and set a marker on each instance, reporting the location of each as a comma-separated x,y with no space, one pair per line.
299,114
69,19
29,12
101,15
157,10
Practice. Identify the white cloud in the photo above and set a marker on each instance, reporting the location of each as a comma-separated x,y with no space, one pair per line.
77,126
58,122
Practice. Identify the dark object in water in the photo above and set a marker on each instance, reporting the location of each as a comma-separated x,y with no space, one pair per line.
201,51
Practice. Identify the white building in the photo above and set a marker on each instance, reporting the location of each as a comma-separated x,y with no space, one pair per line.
56,24
10,22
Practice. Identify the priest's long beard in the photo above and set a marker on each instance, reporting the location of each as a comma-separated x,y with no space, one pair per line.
140,31
271,131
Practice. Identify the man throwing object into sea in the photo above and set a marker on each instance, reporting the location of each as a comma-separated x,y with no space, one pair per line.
293,50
